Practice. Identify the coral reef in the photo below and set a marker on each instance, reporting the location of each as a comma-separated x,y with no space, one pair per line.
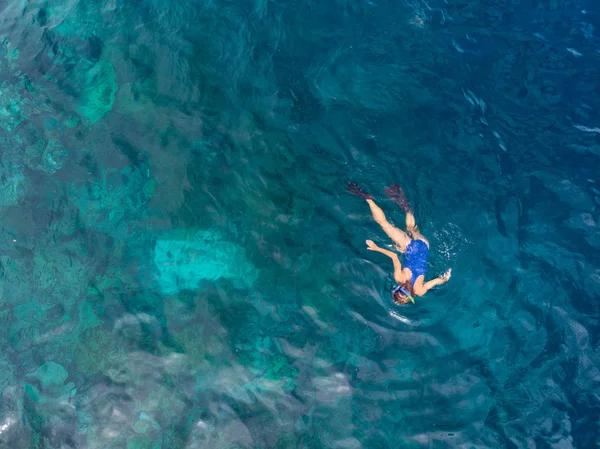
47,384
47,156
98,351
117,199
12,184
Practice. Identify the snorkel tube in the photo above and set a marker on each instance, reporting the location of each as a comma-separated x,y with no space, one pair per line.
399,288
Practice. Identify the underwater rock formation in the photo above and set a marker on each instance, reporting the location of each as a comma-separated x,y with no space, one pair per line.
182,263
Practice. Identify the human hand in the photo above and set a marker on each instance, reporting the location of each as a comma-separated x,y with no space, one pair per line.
447,274
372,246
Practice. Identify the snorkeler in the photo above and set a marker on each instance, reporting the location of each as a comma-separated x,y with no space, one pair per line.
411,277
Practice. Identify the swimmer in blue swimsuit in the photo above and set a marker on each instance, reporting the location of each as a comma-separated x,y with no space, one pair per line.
411,277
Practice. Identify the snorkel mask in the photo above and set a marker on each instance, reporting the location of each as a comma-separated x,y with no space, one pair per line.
399,288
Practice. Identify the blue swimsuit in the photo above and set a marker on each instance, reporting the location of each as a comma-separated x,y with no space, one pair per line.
415,259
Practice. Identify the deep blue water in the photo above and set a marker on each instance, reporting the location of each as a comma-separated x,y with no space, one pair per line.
181,266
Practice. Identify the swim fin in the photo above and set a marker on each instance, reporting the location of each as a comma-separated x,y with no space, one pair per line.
353,188
395,193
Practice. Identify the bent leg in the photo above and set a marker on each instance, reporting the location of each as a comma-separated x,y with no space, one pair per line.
396,194
398,236
411,226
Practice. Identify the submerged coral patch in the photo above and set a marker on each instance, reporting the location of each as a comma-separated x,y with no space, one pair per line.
99,86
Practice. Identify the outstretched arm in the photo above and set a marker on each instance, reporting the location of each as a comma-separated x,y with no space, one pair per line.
426,286
372,246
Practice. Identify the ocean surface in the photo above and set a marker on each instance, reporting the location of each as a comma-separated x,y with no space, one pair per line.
181,266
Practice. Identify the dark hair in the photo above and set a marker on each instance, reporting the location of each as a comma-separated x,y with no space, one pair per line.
399,297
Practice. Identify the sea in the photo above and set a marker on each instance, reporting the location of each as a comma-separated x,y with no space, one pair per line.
182,267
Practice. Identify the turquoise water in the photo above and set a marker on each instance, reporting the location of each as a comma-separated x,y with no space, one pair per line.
181,267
